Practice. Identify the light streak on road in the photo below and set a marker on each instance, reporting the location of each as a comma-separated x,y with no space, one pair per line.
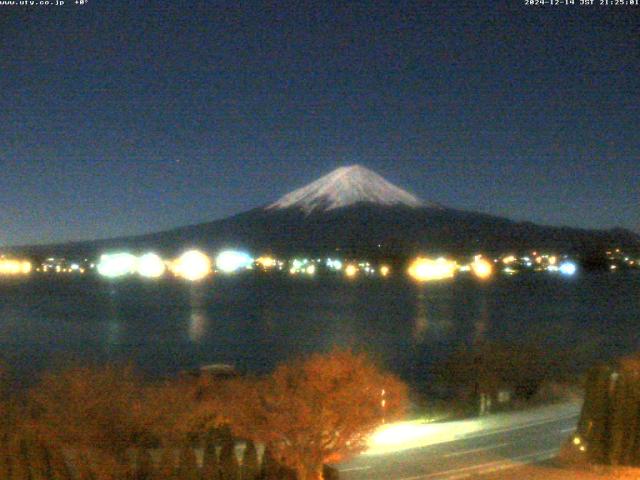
466,448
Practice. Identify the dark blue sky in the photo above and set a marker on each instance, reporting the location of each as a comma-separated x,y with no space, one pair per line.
128,117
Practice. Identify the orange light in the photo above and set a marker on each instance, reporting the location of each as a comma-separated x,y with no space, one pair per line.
266,262
509,259
14,267
481,268
351,271
192,265
426,269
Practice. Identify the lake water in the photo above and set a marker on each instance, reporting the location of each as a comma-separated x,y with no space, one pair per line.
256,321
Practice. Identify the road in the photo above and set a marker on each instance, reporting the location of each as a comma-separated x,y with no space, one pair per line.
471,448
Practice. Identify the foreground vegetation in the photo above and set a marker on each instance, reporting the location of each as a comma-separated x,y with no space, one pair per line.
107,423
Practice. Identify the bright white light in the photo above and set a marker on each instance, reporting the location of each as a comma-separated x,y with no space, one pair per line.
426,269
397,437
229,261
113,265
311,270
151,265
192,265
334,264
568,268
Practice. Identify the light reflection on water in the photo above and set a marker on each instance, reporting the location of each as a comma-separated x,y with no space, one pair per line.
198,319
257,322
197,326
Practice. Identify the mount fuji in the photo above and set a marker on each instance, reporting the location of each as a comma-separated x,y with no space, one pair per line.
344,187
353,211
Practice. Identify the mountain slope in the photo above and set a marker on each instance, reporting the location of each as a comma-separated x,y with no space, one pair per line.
353,211
346,186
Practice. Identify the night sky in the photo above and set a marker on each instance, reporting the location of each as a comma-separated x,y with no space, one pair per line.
120,118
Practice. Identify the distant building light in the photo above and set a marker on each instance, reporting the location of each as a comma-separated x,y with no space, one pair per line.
334,264
151,265
192,265
114,265
481,268
229,261
266,262
14,267
568,268
426,269
351,271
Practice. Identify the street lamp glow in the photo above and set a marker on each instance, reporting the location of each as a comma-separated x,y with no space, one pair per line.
114,265
151,265
481,268
14,267
568,268
192,265
426,269
384,270
229,261
334,264
351,271
266,262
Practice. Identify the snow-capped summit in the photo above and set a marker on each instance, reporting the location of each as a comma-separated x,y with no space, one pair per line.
343,187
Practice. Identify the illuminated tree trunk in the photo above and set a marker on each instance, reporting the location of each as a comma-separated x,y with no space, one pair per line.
187,465
210,465
310,470
268,466
228,461
250,462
